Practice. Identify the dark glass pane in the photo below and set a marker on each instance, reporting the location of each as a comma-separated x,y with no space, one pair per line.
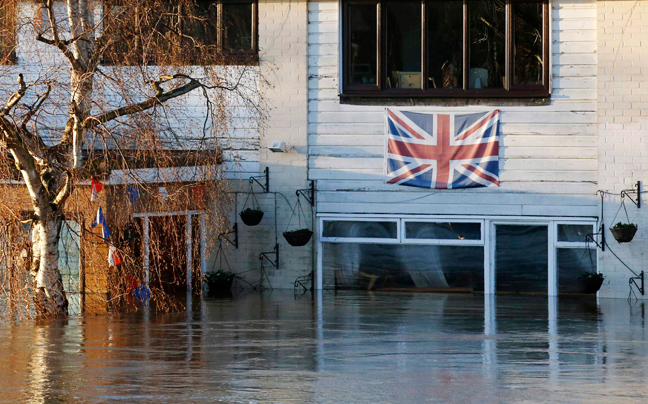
371,266
237,26
487,37
202,24
445,44
443,231
527,43
360,229
362,44
574,232
572,262
403,35
521,254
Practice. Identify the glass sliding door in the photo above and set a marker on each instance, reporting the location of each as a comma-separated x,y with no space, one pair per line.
521,258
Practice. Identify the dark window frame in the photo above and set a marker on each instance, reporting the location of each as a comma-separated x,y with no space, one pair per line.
222,55
8,39
380,89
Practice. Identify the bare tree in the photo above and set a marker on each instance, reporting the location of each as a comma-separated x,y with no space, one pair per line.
107,86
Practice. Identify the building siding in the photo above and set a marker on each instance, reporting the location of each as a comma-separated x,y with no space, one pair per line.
548,153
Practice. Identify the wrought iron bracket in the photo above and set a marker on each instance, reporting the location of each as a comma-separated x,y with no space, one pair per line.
638,282
308,193
225,236
636,191
590,238
275,262
265,177
301,282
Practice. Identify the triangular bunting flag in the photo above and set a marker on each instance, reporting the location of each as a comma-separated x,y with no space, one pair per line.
133,194
101,220
114,258
95,189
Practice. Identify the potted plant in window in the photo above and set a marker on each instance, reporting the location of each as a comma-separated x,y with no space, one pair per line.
219,282
624,232
590,282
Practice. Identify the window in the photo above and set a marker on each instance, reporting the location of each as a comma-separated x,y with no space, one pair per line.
7,33
446,48
195,32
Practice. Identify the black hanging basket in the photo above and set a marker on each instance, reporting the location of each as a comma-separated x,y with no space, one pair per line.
251,217
298,238
590,284
624,234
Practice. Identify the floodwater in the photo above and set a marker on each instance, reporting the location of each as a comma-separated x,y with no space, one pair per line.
354,347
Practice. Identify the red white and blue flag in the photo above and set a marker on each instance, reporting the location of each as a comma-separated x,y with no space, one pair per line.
443,151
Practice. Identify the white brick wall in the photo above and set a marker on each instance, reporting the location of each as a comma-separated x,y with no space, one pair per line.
623,130
283,33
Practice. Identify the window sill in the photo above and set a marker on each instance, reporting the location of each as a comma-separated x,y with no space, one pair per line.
445,101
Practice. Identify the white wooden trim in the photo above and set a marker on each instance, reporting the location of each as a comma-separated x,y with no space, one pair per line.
189,246
552,263
203,243
147,250
490,260
173,213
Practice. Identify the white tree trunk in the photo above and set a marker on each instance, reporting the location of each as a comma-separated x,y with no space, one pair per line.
49,294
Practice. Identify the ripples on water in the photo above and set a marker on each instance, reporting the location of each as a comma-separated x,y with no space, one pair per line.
355,347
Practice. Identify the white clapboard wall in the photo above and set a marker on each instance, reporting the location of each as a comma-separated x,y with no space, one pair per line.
548,154
239,140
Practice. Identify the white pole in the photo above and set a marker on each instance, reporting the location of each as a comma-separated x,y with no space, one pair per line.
146,250
188,242
203,243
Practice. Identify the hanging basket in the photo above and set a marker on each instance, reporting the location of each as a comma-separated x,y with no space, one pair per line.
590,283
624,234
251,217
298,238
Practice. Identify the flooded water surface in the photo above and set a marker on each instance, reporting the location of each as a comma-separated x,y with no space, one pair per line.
346,347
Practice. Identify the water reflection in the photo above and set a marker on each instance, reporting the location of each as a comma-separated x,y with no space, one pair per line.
354,347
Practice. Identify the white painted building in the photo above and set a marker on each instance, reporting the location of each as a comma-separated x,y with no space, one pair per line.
557,148
568,81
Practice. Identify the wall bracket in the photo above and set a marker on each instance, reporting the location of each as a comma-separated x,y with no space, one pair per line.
635,191
275,262
638,282
265,177
225,236
308,193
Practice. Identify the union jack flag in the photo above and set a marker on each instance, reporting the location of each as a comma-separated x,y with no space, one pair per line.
442,151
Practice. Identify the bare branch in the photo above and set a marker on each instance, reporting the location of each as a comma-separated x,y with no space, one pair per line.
16,97
193,84
36,106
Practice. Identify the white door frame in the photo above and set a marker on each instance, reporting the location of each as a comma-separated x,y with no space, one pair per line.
146,228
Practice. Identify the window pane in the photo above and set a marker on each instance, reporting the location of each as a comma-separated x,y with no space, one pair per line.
443,231
237,26
487,34
362,44
521,256
375,266
445,44
527,43
403,35
360,229
574,232
571,263
202,24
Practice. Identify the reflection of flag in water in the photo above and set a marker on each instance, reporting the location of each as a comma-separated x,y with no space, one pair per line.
442,150
114,258
133,194
101,220
95,188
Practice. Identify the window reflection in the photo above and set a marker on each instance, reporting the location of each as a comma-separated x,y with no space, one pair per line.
527,43
363,42
403,45
237,22
445,44
487,35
